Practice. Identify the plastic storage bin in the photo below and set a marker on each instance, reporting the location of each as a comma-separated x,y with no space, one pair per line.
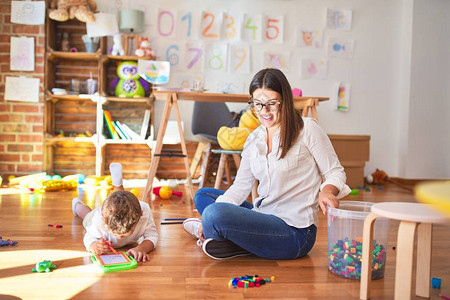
345,231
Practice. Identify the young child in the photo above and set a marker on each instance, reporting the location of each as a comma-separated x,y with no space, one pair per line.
122,220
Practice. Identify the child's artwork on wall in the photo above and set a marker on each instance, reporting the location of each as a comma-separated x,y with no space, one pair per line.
232,24
216,57
230,87
339,19
313,68
155,72
186,23
252,30
166,23
340,47
195,56
211,25
341,95
239,58
22,54
28,12
274,29
22,89
276,60
104,25
171,51
308,37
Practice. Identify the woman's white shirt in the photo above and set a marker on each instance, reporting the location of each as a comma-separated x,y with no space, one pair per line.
289,187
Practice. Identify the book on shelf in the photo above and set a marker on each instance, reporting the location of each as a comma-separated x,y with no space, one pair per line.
145,122
119,132
133,135
111,129
122,130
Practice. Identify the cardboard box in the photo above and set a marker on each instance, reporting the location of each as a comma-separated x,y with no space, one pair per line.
355,173
351,147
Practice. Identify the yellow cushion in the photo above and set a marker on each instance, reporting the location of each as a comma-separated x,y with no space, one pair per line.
232,138
248,120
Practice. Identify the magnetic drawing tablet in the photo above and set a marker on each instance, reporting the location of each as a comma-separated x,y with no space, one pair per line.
110,262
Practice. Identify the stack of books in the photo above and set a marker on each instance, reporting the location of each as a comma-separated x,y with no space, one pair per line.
120,131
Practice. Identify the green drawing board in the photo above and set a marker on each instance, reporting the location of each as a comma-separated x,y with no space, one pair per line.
110,262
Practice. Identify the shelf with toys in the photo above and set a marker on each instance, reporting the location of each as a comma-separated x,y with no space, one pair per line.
78,91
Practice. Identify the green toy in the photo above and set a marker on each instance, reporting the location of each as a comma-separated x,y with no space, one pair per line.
44,266
129,85
111,261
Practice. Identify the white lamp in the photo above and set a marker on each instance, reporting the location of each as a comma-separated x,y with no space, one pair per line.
131,21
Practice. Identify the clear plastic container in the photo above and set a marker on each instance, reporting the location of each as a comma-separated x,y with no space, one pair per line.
345,231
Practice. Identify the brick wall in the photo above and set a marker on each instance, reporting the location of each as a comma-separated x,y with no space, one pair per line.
21,123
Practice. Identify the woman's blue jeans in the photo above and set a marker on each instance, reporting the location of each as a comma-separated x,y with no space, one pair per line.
264,235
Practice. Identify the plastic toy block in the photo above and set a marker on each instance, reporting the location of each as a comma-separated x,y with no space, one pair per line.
436,282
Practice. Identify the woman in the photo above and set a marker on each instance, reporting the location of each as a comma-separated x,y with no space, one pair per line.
288,155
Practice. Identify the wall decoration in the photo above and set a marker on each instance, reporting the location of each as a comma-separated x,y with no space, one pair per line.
274,29
166,23
340,47
308,37
343,97
211,25
22,89
216,57
252,30
195,56
313,68
276,60
339,19
22,54
239,58
28,12
232,24
155,72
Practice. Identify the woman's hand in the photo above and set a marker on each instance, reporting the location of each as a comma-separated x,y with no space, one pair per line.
99,247
328,197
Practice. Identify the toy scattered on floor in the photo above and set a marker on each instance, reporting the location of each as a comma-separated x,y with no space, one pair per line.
54,185
249,281
165,192
44,266
444,297
57,226
117,261
135,192
98,180
7,242
354,192
436,282
344,259
380,177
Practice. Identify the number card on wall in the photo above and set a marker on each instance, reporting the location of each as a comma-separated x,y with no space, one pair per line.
171,51
166,23
239,60
216,57
195,56
185,24
252,30
276,60
275,29
211,25
232,27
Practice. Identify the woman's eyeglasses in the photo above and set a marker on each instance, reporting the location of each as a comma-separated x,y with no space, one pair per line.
271,105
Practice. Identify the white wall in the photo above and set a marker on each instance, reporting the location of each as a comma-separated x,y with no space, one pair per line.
400,83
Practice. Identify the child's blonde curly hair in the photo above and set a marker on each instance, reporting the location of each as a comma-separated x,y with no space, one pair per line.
120,212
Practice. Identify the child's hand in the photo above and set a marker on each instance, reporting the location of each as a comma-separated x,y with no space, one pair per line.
99,247
138,254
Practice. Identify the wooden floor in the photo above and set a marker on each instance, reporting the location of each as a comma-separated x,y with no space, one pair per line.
178,269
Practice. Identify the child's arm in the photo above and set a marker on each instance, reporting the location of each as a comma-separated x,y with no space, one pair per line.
140,252
99,247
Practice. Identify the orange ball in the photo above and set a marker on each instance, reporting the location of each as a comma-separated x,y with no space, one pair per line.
165,192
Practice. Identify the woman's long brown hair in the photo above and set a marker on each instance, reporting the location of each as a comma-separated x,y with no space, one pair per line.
290,118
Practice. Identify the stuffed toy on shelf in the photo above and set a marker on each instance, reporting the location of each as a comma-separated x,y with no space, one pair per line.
63,10
144,48
129,84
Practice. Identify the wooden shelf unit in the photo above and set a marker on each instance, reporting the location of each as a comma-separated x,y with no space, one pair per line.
68,116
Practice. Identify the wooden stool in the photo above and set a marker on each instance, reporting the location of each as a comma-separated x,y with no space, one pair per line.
223,166
410,215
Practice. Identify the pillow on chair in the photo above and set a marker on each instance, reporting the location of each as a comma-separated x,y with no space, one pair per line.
234,138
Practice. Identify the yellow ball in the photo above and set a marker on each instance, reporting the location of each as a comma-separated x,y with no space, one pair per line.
135,192
11,177
165,192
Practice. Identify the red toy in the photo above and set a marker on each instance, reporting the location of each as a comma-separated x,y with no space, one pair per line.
165,192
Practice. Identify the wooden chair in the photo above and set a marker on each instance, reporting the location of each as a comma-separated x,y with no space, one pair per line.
411,216
224,166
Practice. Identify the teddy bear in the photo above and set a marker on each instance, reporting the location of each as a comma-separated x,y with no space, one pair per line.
234,138
144,49
117,48
62,10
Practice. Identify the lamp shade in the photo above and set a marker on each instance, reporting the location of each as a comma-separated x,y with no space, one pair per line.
131,21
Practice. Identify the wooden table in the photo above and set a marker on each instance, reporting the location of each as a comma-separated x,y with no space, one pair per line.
172,97
436,194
